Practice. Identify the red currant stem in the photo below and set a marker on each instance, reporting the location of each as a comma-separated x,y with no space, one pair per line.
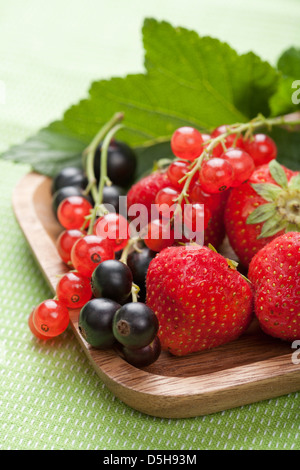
239,128
83,227
89,152
103,175
188,178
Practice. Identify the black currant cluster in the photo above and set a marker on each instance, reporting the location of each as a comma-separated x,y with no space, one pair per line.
105,323
111,318
121,167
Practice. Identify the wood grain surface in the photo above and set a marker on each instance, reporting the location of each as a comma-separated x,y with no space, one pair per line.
255,367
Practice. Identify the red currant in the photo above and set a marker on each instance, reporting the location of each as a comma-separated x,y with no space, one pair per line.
33,329
90,251
159,235
72,212
74,290
166,202
231,140
176,171
196,217
216,175
205,138
65,242
262,149
186,143
242,164
50,318
113,227
212,201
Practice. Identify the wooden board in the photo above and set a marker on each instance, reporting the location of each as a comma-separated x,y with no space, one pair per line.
255,367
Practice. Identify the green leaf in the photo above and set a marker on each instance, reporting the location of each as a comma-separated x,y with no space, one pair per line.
287,98
268,191
288,145
48,152
289,62
188,81
262,213
278,174
216,73
148,156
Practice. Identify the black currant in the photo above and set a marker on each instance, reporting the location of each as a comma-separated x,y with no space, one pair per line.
138,262
111,195
112,279
145,356
69,176
135,325
121,163
95,322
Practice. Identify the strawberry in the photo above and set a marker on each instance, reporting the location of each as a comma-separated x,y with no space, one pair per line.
199,297
215,231
265,207
275,274
144,192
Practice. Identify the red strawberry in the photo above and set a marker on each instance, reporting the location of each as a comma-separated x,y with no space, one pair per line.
275,274
199,297
260,210
215,231
144,192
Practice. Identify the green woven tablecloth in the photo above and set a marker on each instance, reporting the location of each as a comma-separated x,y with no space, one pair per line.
50,396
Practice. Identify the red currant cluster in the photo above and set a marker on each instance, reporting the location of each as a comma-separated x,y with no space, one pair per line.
227,164
98,284
205,167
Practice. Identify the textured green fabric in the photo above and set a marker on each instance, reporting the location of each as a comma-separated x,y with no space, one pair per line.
50,396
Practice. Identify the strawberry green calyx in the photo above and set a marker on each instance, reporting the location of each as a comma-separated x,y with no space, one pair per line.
282,209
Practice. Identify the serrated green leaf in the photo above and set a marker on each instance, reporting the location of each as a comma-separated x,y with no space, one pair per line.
268,191
278,174
188,81
215,71
262,213
272,226
48,152
289,62
287,98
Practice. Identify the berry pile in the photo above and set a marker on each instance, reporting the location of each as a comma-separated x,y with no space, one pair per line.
98,284
151,278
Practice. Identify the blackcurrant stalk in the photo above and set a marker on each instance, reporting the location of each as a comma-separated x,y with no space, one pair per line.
106,135
89,153
131,244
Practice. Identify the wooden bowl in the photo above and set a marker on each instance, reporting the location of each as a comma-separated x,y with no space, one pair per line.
255,367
